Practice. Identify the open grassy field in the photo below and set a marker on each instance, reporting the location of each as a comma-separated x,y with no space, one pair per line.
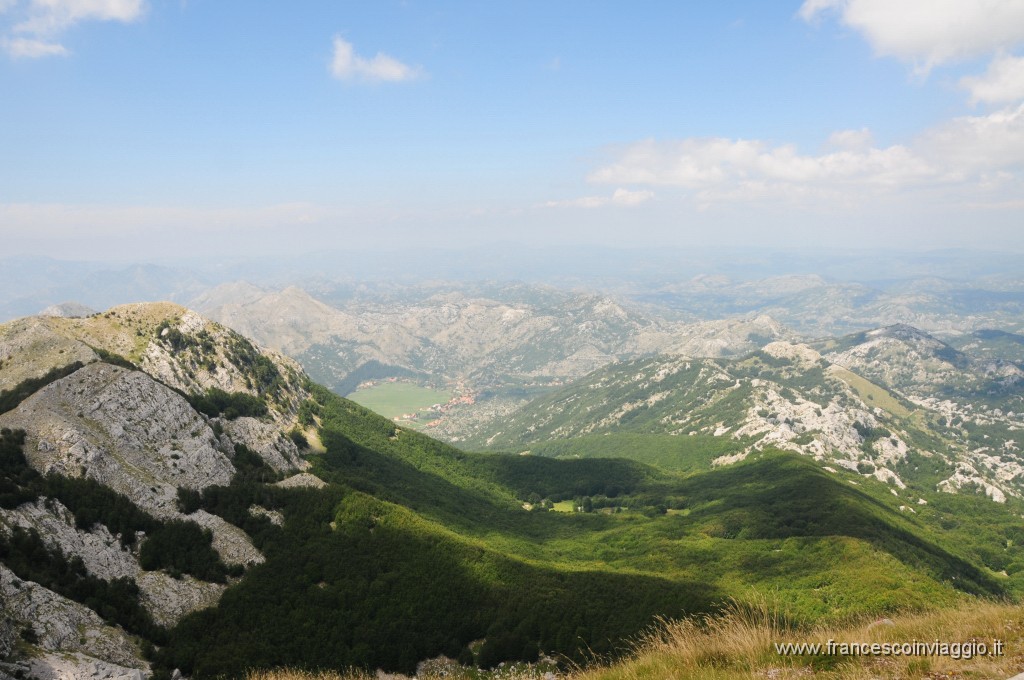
395,399
871,393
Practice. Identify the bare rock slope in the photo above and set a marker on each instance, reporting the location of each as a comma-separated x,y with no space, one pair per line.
116,398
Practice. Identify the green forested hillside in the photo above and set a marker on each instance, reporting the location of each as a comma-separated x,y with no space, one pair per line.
893,404
416,549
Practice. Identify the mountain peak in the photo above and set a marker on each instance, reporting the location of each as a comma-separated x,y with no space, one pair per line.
68,310
173,344
902,331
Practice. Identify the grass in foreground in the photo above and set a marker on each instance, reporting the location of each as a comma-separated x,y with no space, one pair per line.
742,643
306,675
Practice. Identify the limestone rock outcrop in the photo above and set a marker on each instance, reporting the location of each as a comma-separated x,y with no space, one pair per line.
123,429
59,625
122,415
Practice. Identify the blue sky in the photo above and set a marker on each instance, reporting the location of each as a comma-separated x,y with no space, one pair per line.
139,128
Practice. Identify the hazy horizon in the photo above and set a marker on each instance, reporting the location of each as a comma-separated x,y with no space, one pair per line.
710,282
141,130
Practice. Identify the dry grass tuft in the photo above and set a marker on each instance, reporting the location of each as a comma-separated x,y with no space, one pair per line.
741,632
729,644
740,643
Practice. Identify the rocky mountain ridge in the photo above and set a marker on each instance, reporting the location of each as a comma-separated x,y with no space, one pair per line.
501,345
117,399
492,346
516,335
868,404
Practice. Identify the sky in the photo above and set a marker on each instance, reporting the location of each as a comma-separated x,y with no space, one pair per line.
148,129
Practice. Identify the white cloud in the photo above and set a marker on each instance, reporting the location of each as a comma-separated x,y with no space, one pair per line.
347,65
701,163
51,16
627,197
32,49
970,156
851,140
970,160
929,32
1002,83
621,197
978,145
40,23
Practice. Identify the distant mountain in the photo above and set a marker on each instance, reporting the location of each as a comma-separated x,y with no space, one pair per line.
816,307
893,403
503,349
68,309
518,335
814,292
992,344
922,367
31,284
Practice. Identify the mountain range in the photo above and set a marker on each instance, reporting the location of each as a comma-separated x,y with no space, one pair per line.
892,403
176,499
506,335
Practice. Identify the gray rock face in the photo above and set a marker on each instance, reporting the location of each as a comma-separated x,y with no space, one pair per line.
61,625
124,430
229,541
78,666
167,599
267,441
175,347
161,360
273,515
302,480
7,637
214,356
101,553
131,432
134,435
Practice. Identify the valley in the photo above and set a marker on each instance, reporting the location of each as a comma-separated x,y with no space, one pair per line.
504,344
411,405
563,465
